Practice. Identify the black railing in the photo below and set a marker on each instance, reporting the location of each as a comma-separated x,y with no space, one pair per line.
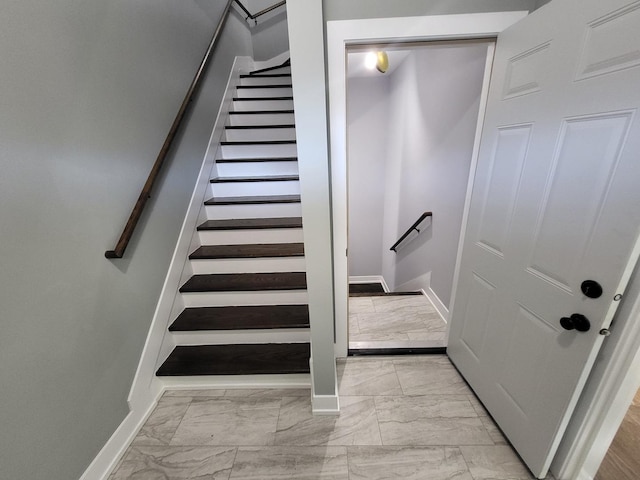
138,208
254,16
413,228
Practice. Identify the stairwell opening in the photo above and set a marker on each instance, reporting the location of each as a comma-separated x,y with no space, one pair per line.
411,133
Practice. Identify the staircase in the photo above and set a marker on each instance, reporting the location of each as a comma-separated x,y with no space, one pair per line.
246,307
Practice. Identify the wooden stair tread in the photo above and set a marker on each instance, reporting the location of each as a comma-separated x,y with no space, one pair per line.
261,112
242,318
253,200
265,178
258,142
248,99
268,75
261,127
250,87
257,250
257,159
245,282
242,359
252,223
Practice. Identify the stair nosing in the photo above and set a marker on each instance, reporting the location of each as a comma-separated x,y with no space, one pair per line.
196,284
249,250
258,127
266,178
261,112
253,200
249,87
258,142
257,159
260,224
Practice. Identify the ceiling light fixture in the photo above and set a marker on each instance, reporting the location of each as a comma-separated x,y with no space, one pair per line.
377,60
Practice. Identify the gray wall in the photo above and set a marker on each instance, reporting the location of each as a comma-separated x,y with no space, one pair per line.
354,9
270,37
367,118
410,137
89,90
435,99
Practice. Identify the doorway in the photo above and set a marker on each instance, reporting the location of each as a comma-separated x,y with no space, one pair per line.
411,128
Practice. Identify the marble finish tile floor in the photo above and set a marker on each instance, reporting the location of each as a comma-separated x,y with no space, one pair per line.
394,321
409,417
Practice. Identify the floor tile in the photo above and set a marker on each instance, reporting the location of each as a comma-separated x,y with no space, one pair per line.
407,463
229,421
163,421
368,376
167,462
288,463
498,462
360,304
432,374
493,431
357,423
354,328
386,322
430,420
194,393
402,303
268,392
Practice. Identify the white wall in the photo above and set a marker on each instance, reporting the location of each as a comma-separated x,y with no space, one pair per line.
436,96
353,9
410,137
89,90
367,117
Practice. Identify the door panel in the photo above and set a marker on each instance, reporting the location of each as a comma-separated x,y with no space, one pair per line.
555,202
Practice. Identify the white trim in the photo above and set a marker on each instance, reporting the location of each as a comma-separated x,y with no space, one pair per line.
112,451
324,404
272,62
440,307
619,383
219,382
402,29
355,279
159,343
421,283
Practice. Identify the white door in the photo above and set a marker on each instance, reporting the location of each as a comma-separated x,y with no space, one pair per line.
556,201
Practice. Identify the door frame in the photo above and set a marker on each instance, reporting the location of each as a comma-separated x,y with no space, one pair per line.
607,394
342,33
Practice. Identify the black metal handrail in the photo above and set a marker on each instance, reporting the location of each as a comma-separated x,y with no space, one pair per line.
254,16
145,194
412,228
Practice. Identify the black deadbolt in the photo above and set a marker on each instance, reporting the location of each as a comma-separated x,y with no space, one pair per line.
576,322
591,288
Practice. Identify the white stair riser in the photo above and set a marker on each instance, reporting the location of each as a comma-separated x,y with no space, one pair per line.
264,92
241,237
263,297
259,134
239,189
262,119
254,80
267,210
260,150
248,265
229,337
257,105
237,169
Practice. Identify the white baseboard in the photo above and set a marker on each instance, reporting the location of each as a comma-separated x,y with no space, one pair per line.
109,456
440,307
423,282
355,279
216,382
272,62
584,476
324,404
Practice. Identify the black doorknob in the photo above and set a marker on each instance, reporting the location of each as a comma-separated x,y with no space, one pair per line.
577,322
